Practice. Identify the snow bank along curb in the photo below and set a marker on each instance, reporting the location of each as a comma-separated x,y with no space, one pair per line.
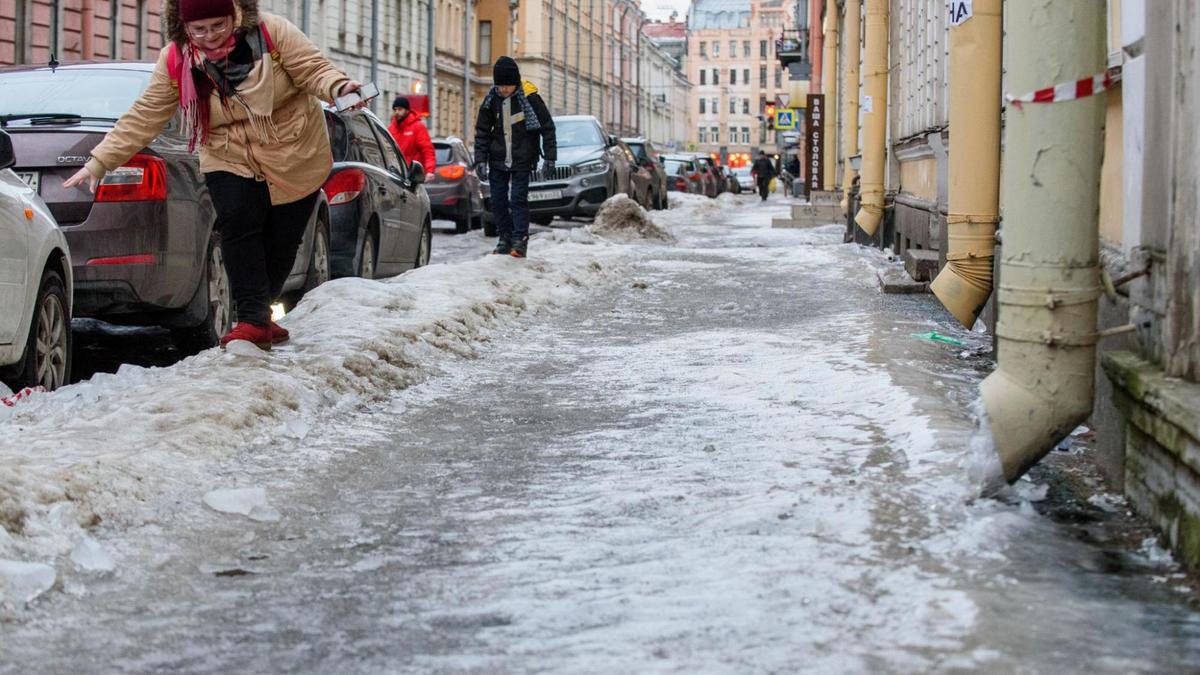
100,450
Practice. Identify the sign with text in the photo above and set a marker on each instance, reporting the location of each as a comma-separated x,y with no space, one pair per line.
814,139
960,11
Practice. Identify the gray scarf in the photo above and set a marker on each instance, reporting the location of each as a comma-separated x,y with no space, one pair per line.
532,123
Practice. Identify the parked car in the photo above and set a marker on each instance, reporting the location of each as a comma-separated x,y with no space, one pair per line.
744,179
731,181
380,218
683,174
648,158
455,192
35,285
712,185
591,168
641,180
143,248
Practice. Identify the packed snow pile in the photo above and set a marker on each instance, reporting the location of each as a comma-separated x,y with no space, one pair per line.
622,218
104,450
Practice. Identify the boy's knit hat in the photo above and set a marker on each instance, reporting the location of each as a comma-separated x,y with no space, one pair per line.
506,72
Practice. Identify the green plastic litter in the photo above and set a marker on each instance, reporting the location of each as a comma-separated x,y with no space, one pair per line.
933,335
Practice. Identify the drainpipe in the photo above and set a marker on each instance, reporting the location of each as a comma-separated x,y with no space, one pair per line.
875,120
965,283
430,67
550,55
374,40
87,29
829,78
816,43
850,124
305,16
466,110
1049,280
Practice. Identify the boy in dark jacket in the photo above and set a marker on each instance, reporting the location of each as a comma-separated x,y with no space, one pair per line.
514,129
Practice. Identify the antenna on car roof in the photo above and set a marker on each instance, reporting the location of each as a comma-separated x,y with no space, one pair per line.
53,62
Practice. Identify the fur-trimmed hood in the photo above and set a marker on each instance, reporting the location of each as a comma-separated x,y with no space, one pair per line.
247,18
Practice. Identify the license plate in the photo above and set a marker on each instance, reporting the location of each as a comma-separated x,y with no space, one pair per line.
32,178
545,195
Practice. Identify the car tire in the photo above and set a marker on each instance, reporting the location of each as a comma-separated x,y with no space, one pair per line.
366,256
423,248
318,261
218,319
47,359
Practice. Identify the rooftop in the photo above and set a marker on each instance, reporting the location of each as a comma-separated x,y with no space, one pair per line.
667,30
708,14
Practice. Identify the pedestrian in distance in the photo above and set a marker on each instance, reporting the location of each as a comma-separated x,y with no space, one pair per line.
512,131
763,171
247,84
410,135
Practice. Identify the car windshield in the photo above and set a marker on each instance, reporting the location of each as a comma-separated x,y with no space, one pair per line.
443,154
577,133
87,92
677,165
742,171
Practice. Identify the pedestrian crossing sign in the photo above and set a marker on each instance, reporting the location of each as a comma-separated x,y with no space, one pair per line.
785,118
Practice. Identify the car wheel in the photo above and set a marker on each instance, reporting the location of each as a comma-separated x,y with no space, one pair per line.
462,224
219,317
318,262
47,360
424,247
366,257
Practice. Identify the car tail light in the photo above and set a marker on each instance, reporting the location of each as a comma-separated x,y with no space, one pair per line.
680,184
142,179
452,171
141,259
345,186
695,176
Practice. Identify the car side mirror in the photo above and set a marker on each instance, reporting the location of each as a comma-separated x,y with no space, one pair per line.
8,158
612,141
416,174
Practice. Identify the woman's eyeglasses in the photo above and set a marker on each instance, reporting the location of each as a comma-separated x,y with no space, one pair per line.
201,33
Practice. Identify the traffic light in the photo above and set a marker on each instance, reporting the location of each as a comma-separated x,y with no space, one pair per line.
770,115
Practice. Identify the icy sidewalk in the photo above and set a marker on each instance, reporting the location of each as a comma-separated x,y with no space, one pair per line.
103,450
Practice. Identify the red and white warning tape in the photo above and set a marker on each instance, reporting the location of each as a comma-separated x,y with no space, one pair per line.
10,401
1069,91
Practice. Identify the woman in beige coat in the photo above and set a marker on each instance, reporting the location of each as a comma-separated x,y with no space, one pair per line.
248,87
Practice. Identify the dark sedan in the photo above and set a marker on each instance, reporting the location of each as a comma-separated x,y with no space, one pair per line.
455,192
379,212
143,249
648,158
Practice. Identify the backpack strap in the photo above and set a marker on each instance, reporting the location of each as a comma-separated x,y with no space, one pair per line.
174,65
270,43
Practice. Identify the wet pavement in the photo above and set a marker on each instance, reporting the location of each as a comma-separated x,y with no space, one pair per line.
735,459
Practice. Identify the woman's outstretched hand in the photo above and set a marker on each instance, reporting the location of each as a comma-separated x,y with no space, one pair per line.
81,176
353,85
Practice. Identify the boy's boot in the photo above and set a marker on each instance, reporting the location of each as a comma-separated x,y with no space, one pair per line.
503,246
520,247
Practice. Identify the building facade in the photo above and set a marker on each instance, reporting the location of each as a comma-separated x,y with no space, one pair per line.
734,75
33,30
662,102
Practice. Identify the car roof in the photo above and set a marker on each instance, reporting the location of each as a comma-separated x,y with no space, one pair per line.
575,118
136,66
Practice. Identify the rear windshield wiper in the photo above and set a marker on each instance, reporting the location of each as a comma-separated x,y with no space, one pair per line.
52,118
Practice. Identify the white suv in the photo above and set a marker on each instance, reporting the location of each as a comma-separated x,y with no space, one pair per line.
35,285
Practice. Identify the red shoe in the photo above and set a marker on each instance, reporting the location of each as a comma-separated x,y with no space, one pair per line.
260,336
279,334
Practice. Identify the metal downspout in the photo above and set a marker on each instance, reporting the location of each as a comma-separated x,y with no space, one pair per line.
430,67
87,30
829,78
466,98
550,54
875,81
965,283
306,16
853,42
374,40
1043,385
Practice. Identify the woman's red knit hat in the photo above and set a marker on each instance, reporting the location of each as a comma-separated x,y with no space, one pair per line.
198,10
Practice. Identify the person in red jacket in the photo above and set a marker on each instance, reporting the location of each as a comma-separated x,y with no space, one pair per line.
411,135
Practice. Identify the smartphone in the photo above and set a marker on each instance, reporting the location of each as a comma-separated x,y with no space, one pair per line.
366,93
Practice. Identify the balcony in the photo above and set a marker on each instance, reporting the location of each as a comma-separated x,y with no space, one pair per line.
792,46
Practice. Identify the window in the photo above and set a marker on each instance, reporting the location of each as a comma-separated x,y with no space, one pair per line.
746,75
733,105
703,76
733,137
391,153
746,51
716,76
702,102
762,49
733,48
703,134
716,49
716,134
716,105
485,42
745,106
733,76
703,48
365,143
778,78
762,76
746,135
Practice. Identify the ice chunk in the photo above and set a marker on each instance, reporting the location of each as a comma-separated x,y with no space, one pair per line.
21,582
249,502
5,391
245,348
1080,430
89,555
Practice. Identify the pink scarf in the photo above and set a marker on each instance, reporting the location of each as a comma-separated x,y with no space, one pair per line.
193,97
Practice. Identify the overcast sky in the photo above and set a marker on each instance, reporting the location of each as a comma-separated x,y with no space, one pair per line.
661,9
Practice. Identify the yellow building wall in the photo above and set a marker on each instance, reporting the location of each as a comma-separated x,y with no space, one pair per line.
1112,197
918,177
